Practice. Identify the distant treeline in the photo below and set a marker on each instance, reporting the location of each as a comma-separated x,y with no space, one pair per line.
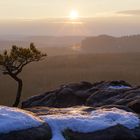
105,43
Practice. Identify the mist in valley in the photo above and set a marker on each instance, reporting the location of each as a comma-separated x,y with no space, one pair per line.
74,59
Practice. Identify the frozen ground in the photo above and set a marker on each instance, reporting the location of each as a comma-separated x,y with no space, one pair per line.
79,121
12,119
119,87
76,119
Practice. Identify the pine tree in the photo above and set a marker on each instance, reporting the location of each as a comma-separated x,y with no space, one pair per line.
12,64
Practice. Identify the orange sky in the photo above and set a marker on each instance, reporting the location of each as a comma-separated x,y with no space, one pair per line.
56,17
61,8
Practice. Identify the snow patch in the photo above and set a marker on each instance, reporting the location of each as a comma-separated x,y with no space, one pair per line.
119,87
13,119
89,122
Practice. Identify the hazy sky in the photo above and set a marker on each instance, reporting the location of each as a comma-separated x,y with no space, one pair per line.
51,17
61,8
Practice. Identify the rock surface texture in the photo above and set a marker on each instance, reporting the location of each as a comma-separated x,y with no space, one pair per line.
117,132
117,93
42,132
18,124
78,111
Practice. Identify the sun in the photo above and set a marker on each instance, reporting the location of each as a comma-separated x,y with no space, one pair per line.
73,14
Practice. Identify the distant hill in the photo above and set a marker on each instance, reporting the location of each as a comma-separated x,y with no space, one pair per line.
40,41
109,44
56,41
67,45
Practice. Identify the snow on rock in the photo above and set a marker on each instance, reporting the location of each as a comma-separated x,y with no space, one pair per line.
13,119
89,122
119,87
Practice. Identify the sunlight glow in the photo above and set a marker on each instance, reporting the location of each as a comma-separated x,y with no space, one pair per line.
73,15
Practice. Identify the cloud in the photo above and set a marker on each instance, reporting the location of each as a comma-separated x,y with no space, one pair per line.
130,12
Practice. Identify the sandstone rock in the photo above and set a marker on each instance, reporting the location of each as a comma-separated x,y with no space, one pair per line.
79,86
118,132
66,118
135,105
18,124
116,106
96,95
39,133
65,96
100,97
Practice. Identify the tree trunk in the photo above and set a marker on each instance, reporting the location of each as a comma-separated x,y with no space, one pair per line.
19,90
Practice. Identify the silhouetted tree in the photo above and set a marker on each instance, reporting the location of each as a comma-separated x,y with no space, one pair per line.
12,63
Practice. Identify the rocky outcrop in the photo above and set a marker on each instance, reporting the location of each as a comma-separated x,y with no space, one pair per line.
117,132
65,96
42,132
60,123
90,94
135,105
78,111
89,123
109,44
18,124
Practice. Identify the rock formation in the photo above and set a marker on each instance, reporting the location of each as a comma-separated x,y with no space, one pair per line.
106,110
98,94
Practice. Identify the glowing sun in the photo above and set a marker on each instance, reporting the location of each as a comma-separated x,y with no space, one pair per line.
73,14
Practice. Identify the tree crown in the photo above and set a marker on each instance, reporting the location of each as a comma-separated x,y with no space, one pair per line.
12,62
